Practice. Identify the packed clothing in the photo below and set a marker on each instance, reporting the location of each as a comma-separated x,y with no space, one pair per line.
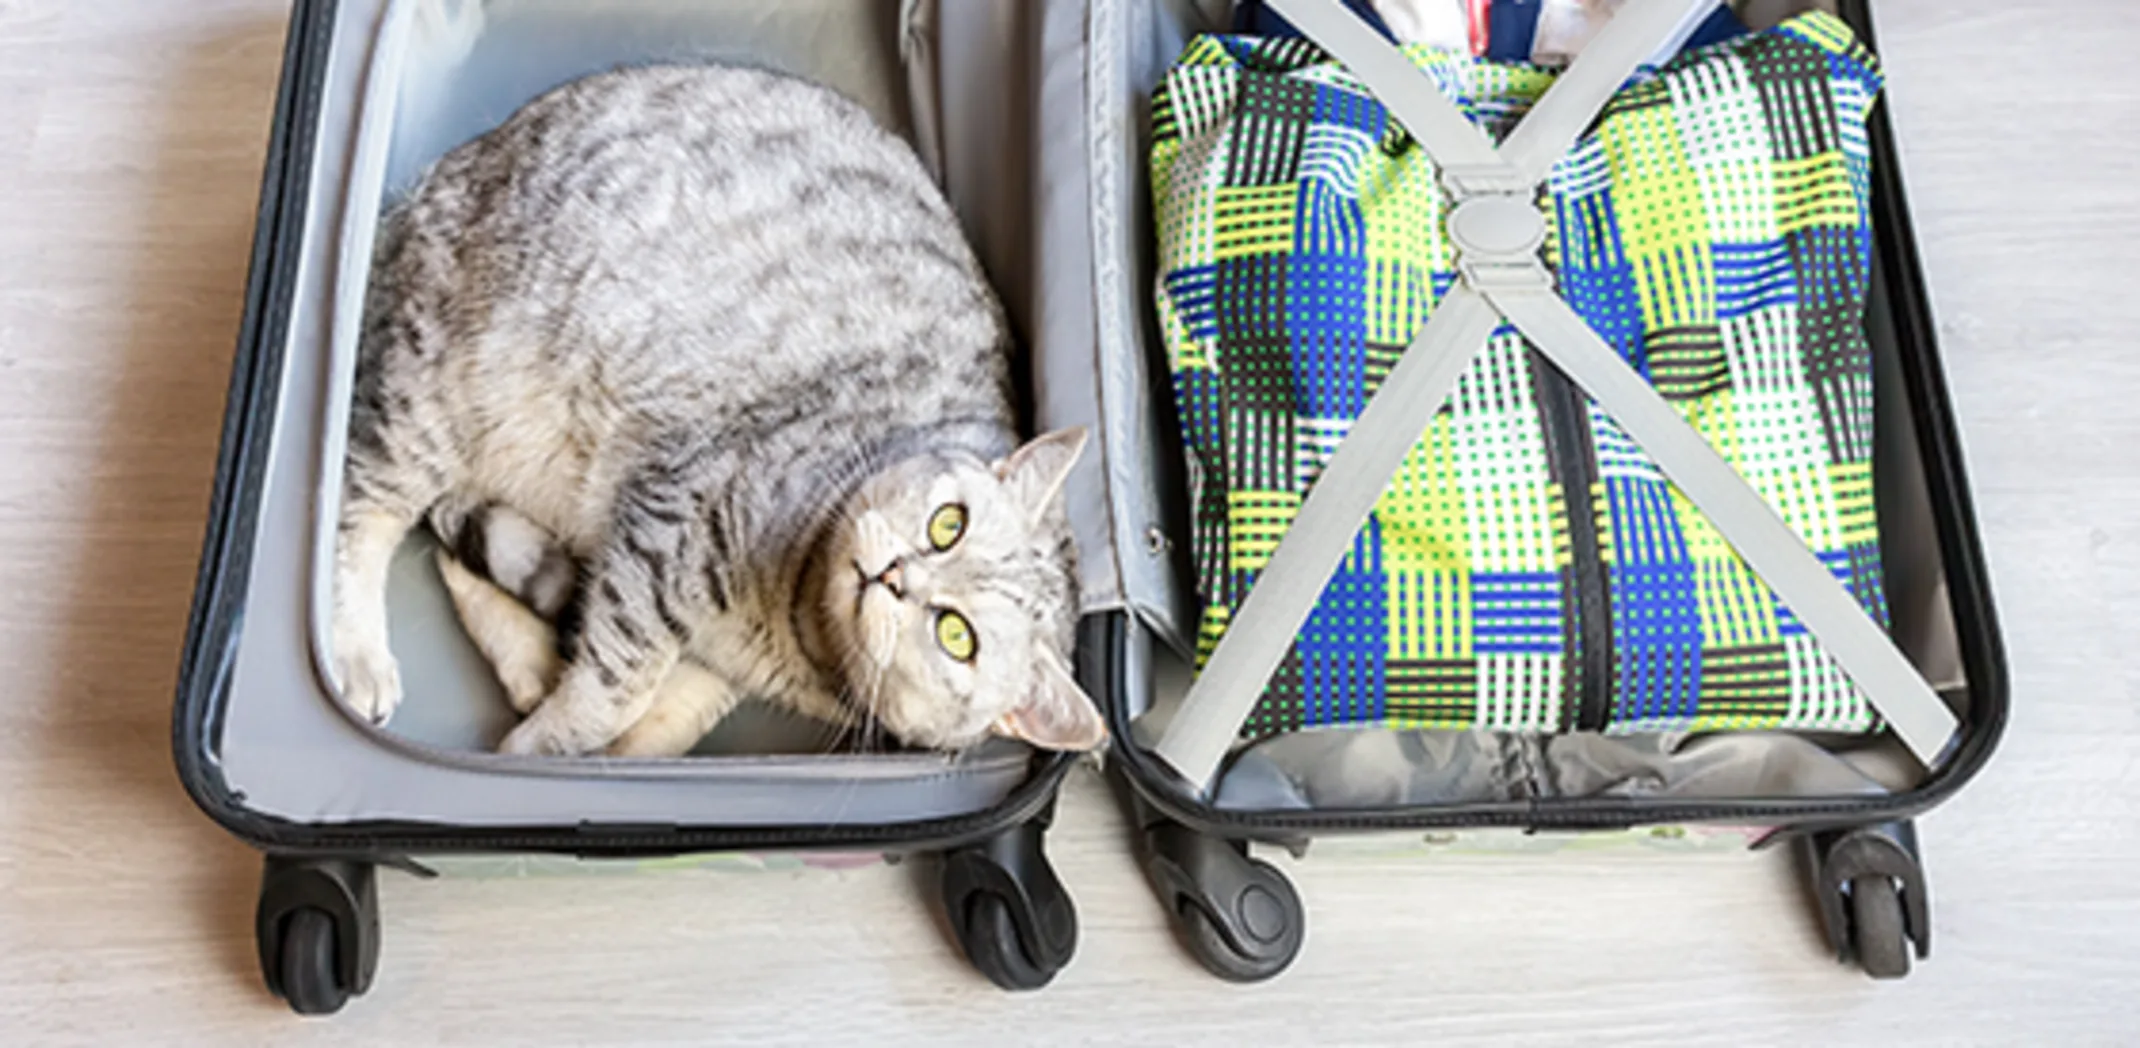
1713,227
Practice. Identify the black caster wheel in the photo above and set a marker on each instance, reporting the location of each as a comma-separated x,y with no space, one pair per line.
1268,915
317,928
310,981
989,935
1008,910
1876,928
1873,900
1238,916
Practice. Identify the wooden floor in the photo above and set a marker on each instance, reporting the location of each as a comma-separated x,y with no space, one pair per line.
131,134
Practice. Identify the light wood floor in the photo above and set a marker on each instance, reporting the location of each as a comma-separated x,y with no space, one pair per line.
131,134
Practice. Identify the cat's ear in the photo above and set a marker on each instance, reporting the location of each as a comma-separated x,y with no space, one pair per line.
1036,471
1058,715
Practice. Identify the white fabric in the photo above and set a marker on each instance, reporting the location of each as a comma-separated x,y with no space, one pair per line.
1439,23
1565,27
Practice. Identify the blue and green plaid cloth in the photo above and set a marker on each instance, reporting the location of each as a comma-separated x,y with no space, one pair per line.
1713,226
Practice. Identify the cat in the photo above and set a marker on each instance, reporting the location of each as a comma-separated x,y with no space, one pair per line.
702,350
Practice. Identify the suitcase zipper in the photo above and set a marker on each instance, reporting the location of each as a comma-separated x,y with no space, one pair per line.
1563,414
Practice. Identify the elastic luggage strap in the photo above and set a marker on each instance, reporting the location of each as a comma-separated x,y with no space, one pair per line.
1498,231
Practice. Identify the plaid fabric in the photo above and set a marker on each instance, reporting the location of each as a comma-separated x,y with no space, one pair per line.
1713,227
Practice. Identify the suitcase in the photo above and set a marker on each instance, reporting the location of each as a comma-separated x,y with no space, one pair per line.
372,90
1848,804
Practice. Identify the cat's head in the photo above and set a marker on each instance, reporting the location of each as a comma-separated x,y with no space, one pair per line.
948,592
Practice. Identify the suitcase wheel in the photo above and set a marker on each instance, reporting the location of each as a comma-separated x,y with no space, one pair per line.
989,935
1240,917
1876,928
1008,910
310,981
1874,904
317,928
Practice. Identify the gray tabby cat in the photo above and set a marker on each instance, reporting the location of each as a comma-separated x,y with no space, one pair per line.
706,347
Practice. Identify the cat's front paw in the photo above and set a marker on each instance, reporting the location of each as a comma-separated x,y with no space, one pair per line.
664,732
547,736
371,681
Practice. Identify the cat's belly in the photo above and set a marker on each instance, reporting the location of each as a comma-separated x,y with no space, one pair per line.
538,453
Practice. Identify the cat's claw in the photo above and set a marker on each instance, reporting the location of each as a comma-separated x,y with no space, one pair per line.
371,682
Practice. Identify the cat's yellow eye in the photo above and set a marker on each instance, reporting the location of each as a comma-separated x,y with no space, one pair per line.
955,634
946,526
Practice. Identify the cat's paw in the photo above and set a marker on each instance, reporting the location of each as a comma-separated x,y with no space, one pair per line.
371,680
546,735
532,738
526,685
521,646
661,733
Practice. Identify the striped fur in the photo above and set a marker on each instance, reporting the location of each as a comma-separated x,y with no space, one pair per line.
694,354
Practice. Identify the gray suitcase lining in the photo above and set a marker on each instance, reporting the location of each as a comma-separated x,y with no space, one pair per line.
408,79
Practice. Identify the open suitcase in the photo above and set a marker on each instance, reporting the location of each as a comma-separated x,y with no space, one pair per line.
1037,118
372,91
1847,803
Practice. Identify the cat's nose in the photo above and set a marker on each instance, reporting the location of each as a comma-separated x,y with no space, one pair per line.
892,577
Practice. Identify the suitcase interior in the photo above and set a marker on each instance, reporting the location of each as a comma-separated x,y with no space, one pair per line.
1941,615
403,81
1036,117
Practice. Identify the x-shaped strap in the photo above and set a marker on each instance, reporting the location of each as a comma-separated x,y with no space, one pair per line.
1497,230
